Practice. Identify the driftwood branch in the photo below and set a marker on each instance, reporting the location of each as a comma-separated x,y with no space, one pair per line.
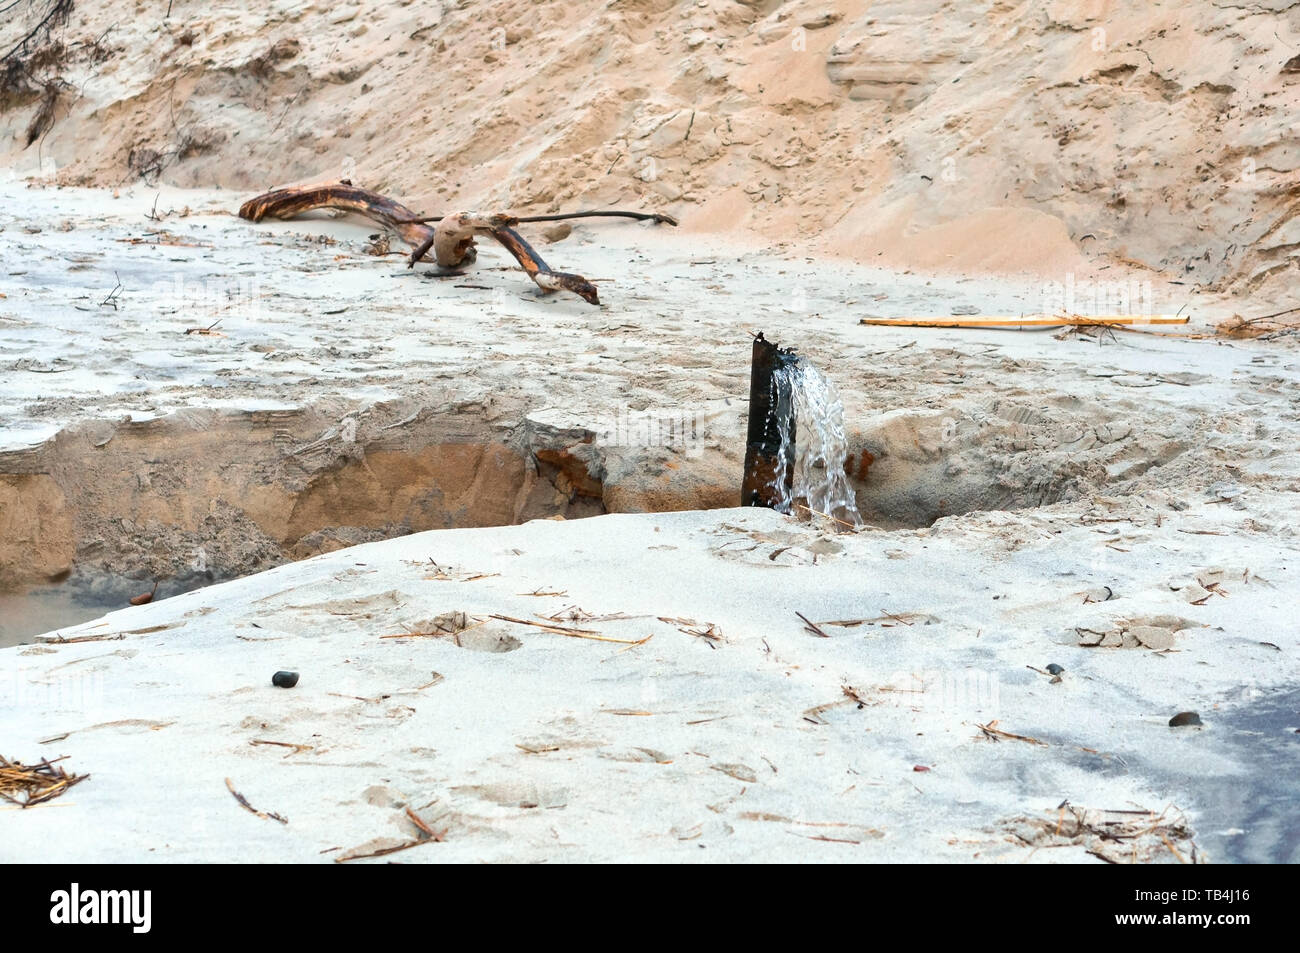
659,218
451,239
292,202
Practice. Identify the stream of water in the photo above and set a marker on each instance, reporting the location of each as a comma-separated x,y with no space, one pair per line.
820,444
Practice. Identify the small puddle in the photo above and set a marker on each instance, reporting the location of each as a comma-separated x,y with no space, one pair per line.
26,614
1254,817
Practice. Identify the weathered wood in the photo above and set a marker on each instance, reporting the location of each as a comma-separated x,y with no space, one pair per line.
769,404
292,202
537,269
659,218
452,241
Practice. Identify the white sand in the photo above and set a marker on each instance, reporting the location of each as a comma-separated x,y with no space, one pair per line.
675,749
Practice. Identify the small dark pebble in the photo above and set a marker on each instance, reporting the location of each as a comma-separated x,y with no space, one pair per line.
1184,718
1055,669
284,679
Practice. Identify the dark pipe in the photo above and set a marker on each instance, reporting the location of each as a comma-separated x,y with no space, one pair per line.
768,405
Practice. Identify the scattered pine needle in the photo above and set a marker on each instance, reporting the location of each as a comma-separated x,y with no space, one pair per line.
424,828
243,802
812,626
442,575
852,693
1029,320
450,623
993,732
815,713
297,748
29,785
1172,848
708,631
209,331
571,633
823,837
578,614
383,851
635,644
1116,837
536,749
59,640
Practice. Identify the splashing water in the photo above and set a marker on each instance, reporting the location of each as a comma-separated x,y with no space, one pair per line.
820,444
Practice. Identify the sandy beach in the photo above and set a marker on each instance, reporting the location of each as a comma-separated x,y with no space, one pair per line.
1132,521
496,533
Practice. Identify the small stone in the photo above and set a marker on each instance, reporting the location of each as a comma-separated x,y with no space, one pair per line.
557,232
284,679
1055,669
1184,719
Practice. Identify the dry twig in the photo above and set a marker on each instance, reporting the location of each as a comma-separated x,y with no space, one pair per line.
812,626
243,802
993,733
29,785
572,633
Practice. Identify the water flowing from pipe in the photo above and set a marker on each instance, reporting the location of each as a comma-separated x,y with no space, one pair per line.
820,444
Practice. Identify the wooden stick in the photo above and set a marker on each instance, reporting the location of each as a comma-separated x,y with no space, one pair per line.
243,802
812,626
1004,321
453,246
425,828
108,637
390,850
991,730
297,748
572,633
658,218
